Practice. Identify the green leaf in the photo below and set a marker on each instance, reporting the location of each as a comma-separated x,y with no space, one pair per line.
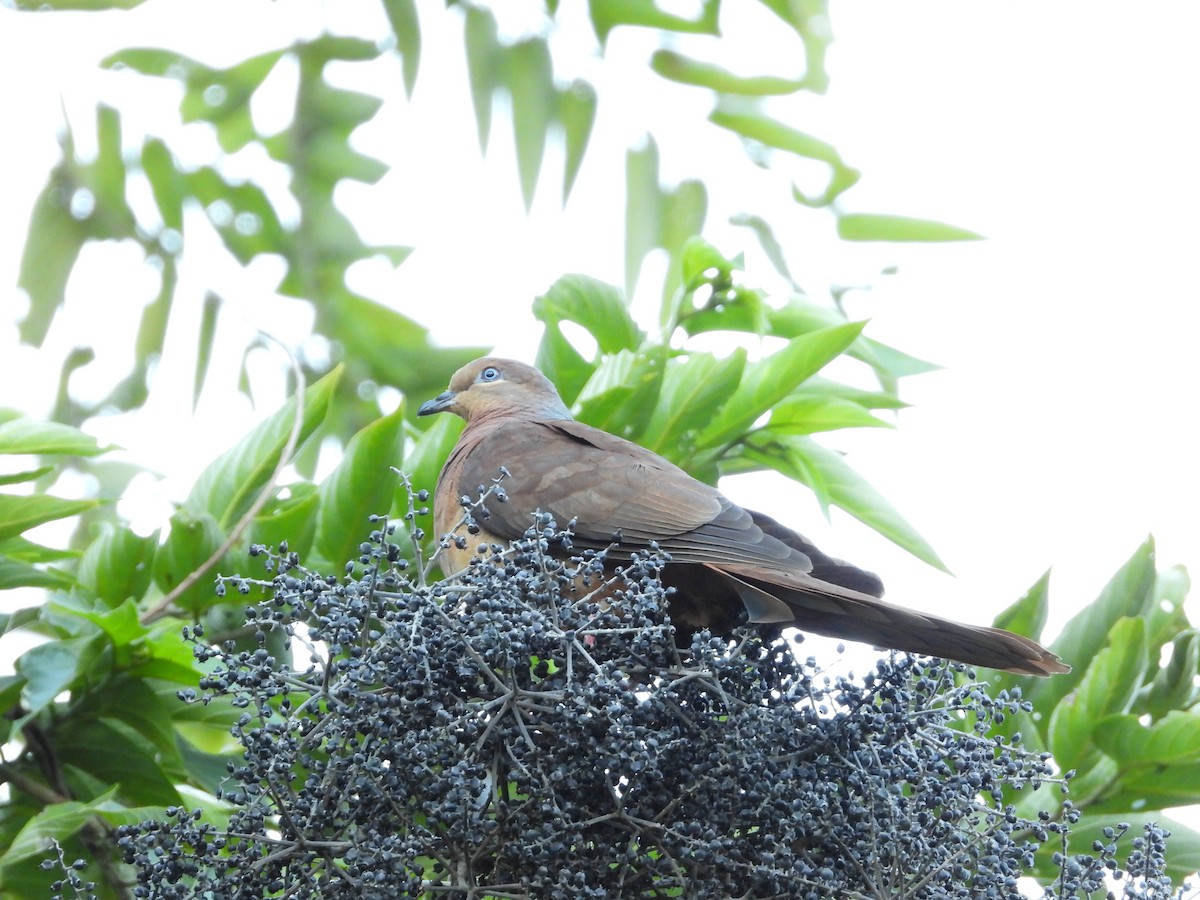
241,213
120,625
702,263
194,537
402,16
608,14
15,573
577,115
756,125
50,438
694,388
227,487
534,100
116,565
52,244
27,551
1028,615
204,343
835,483
1110,682
643,209
1165,617
824,387
20,513
1174,685
363,484
597,306
1127,595
559,361
427,454
221,97
485,65
132,702
766,382
293,519
1173,740
54,822
114,756
48,670
685,70
167,184
801,316
1153,787
623,392
22,477
874,227
809,415
767,240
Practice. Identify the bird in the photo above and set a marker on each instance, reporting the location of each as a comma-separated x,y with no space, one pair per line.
729,566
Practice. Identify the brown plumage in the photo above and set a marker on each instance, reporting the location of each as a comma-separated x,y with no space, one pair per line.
729,565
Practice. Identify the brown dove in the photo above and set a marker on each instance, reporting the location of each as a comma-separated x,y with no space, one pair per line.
729,566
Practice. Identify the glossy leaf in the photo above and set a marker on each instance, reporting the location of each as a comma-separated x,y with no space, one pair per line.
14,573
874,227
835,483
810,415
426,455
120,624
1126,595
46,438
112,756
1174,685
1108,685
116,565
48,670
293,519
694,388
767,381
54,822
596,306
1028,615
363,484
194,537
20,513
227,487
559,361
701,263
1173,740
622,392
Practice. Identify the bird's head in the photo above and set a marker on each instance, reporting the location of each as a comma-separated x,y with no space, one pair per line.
495,386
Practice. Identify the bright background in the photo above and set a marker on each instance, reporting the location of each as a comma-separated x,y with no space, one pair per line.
1062,429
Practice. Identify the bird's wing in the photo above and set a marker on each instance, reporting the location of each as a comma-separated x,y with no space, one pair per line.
614,490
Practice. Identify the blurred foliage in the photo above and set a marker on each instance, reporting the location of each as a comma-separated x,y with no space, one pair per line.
91,711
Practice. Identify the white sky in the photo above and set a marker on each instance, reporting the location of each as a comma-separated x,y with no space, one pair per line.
1062,430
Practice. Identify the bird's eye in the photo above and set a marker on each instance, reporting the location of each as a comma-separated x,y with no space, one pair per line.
491,373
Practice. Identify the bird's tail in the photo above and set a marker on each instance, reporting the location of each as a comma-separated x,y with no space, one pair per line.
841,612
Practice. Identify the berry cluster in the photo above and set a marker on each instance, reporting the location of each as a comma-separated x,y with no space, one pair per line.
501,734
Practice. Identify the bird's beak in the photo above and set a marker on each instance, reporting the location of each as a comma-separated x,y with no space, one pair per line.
438,404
